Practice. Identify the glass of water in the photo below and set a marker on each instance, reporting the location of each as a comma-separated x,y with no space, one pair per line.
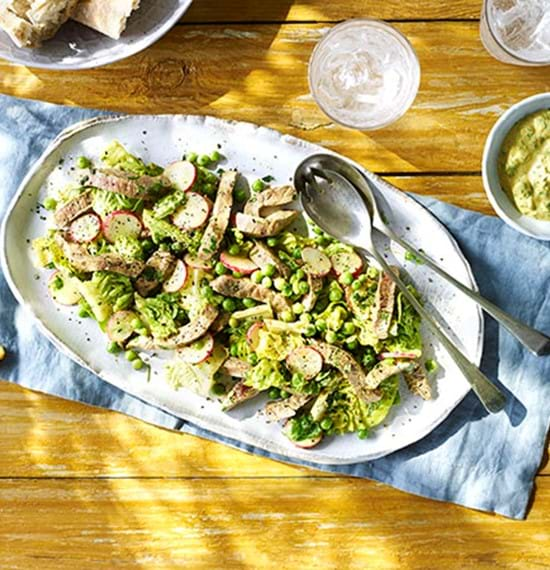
517,31
364,74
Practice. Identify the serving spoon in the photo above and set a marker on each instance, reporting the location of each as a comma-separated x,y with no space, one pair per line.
535,341
340,210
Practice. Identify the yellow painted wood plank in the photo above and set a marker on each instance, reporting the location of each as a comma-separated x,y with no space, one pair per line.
258,73
267,523
321,10
44,436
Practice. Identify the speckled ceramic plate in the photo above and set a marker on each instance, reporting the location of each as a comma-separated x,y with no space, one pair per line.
255,151
77,47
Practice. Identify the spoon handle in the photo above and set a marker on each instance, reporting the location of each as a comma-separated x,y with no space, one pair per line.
490,396
535,341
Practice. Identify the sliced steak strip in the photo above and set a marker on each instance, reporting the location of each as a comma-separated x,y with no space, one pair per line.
278,196
417,382
315,286
82,261
262,256
287,408
120,182
245,288
192,331
157,269
350,368
74,208
236,367
387,368
384,305
238,394
265,227
219,218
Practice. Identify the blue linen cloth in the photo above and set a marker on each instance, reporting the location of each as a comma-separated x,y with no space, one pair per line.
482,461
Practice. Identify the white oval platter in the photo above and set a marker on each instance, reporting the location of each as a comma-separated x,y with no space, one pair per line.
78,47
256,152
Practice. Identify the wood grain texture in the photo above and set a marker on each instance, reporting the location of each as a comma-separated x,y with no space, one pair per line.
44,436
251,523
323,10
248,72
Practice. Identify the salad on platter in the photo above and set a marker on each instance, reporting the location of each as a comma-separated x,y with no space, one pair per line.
239,294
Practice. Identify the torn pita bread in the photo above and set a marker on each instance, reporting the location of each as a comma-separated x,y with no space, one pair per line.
109,17
30,22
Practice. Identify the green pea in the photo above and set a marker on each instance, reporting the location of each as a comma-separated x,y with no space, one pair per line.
258,185
326,423
279,283
287,316
142,331
352,344
274,393
284,394
356,285
252,359
218,389
211,178
209,189
50,204
240,194
306,318
220,269
113,348
335,295
83,313
300,274
347,278
249,303
267,282
316,229
348,328
215,156
297,253
192,157
272,242
138,364
298,308
83,162
269,270
177,248
363,433
233,322
322,241
331,337
257,277
229,305
310,331
136,323
237,274
235,249
164,247
321,325
287,290
303,288
203,160
130,355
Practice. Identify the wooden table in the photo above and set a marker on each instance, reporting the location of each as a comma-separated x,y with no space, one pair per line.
85,488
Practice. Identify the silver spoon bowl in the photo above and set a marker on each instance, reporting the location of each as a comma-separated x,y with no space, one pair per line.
342,211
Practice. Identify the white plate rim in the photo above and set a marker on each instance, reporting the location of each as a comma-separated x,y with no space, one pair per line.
309,456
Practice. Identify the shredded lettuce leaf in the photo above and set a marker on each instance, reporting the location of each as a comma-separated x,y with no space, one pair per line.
277,346
116,156
266,374
159,313
106,202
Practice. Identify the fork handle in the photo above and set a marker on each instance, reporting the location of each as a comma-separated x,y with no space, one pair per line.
490,396
537,342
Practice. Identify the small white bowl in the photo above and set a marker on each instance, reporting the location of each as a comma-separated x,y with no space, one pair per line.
489,168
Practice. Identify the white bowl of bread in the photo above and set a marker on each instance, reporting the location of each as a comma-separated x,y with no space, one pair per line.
79,34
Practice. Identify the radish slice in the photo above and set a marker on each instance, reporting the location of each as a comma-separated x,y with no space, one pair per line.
182,174
235,263
194,213
122,224
306,361
304,443
396,354
196,263
346,261
316,263
85,229
199,351
63,289
178,279
120,326
253,335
